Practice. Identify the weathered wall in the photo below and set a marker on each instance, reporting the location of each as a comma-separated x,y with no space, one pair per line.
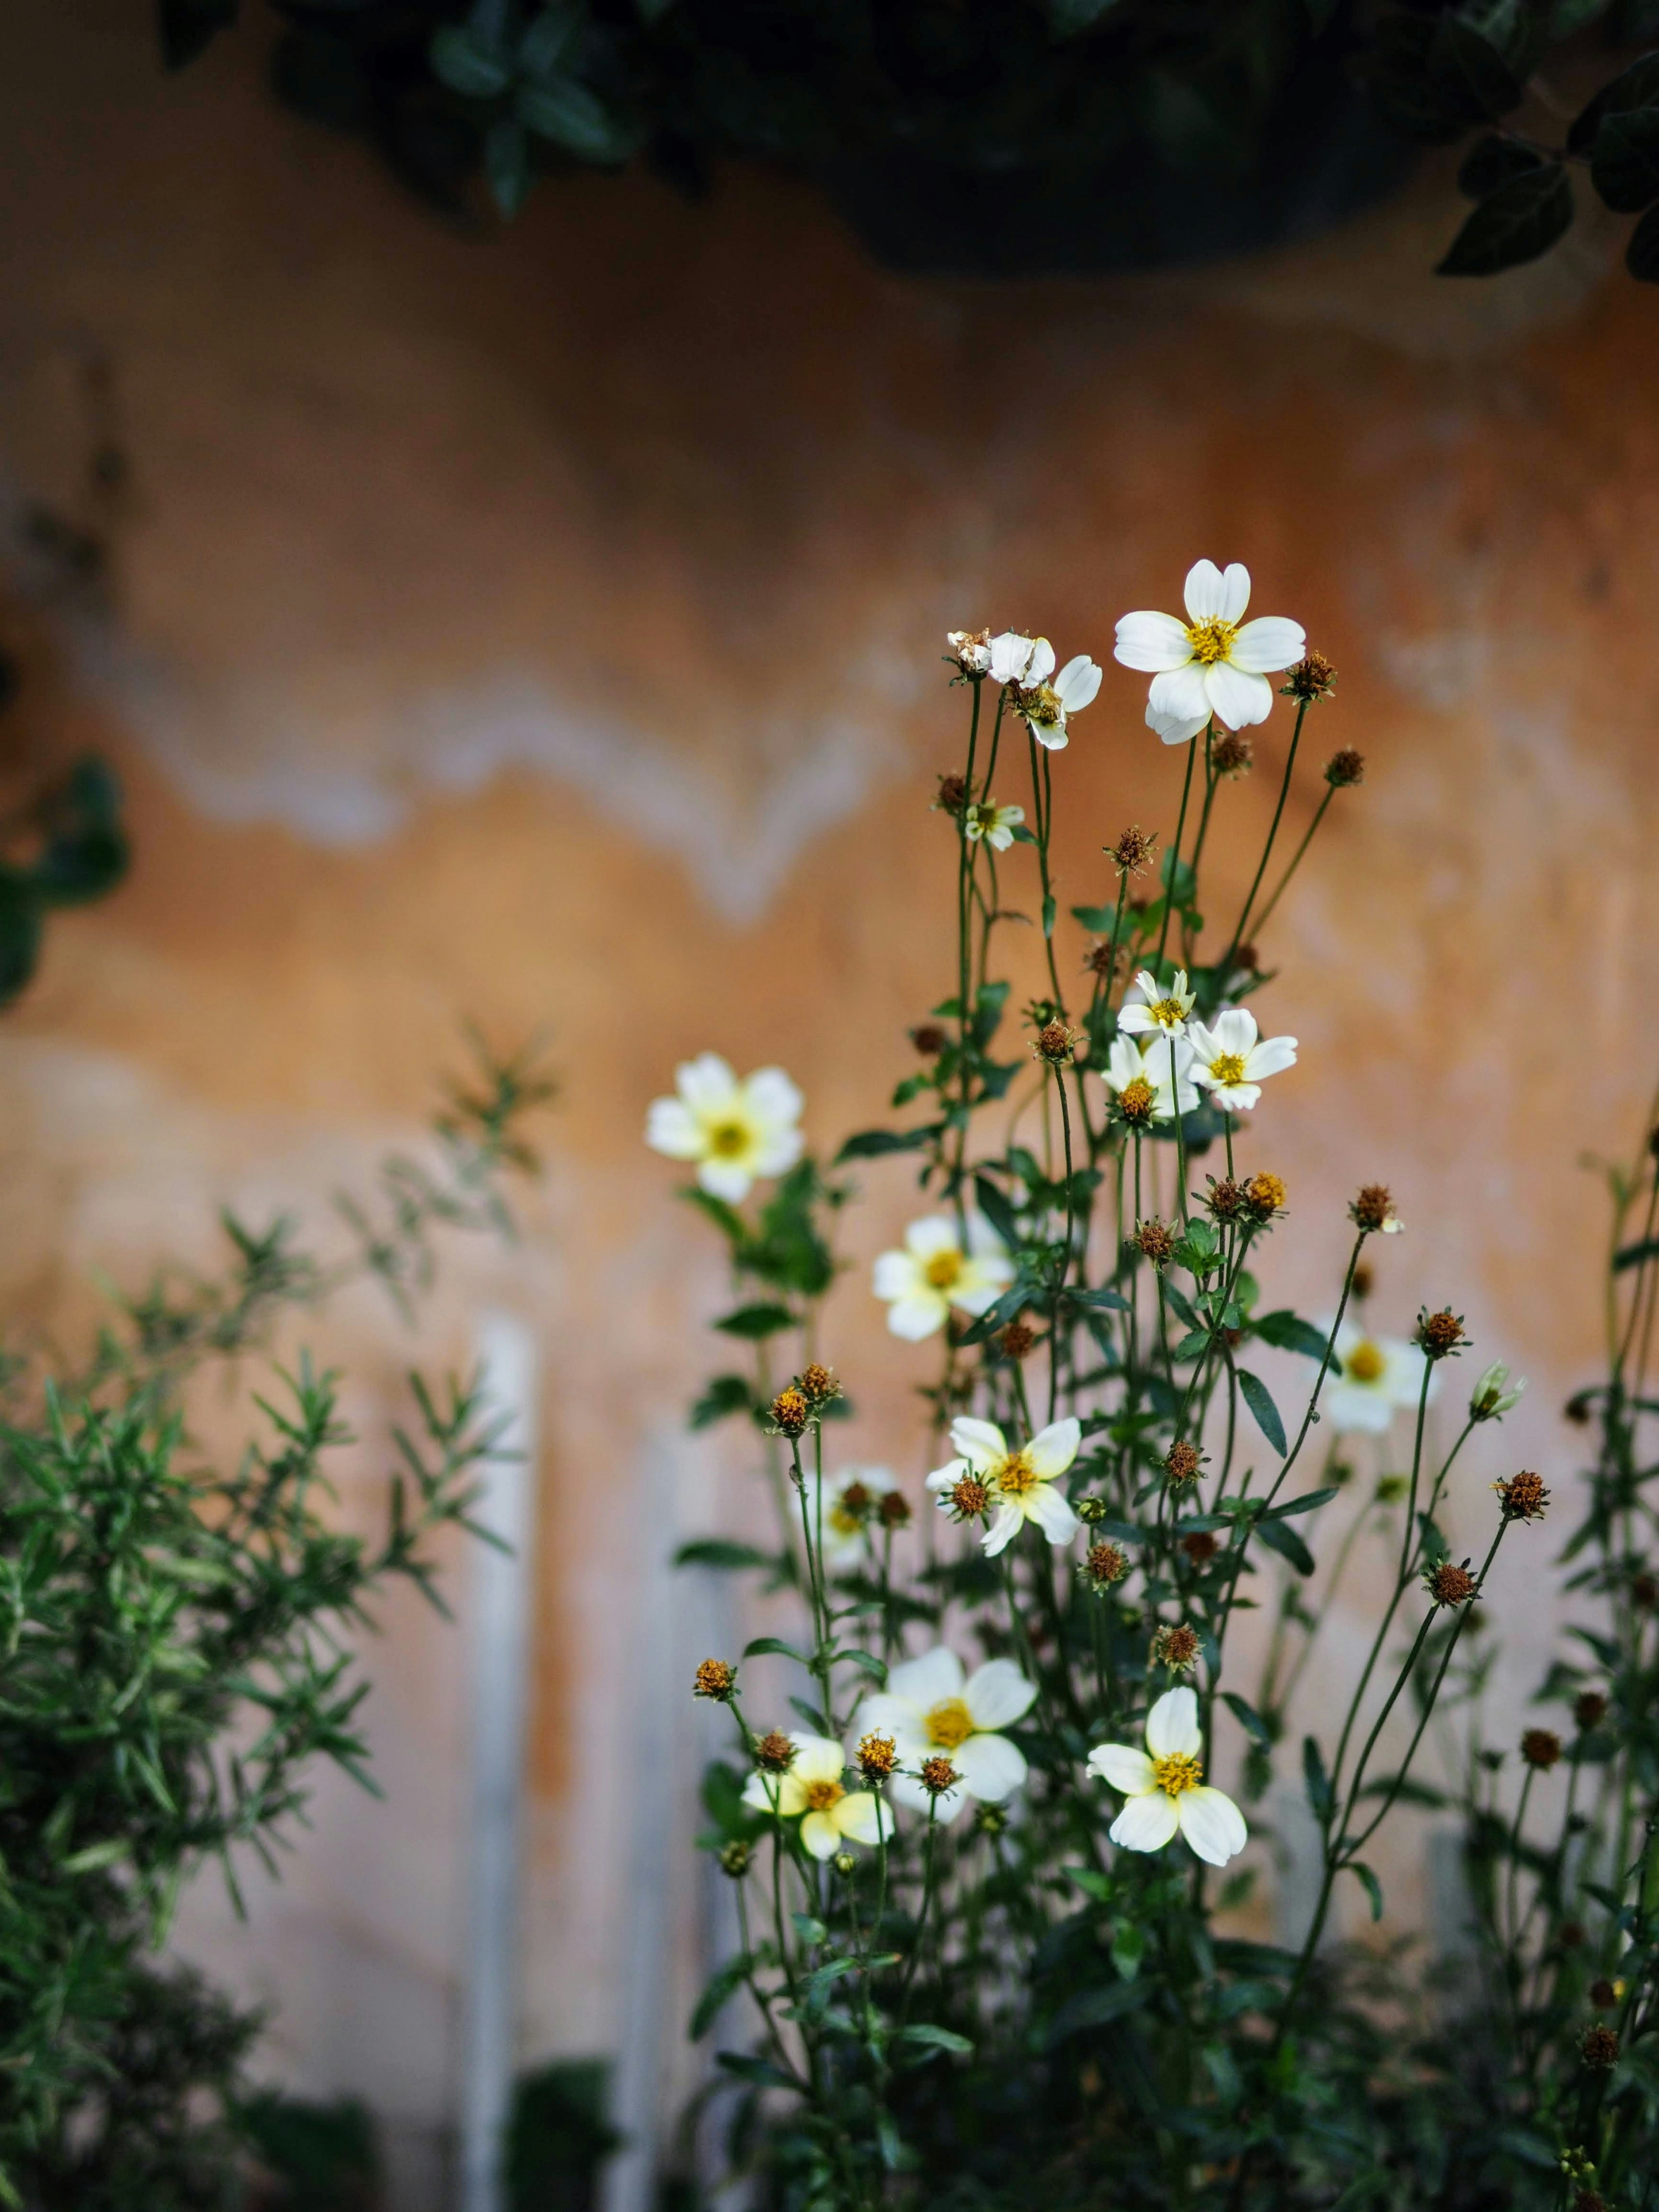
545,627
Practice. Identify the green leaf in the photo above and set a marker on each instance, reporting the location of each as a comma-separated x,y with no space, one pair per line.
718,1551
1320,1795
866,1661
550,39
726,1394
1369,1884
1287,1332
95,1856
764,1646
1049,914
1471,69
1636,1255
937,2038
1093,2009
1624,166
507,164
1279,1537
1263,1411
1007,1308
872,1144
1102,1301
760,2071
1305,1504
715,1996
574,120
755,1322
1247,1718
1493,160
1635,87
467,64
1128,1949
993,1205
1516,223
1098,920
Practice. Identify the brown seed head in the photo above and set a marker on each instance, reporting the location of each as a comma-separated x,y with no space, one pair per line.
1590,1709
1449,1584
855,1501
1225,1199
1373,1209
876,1757
1598,2046
1201,1546
774,1754
1541,1749
790,1412
1344,769
1177,1648
819,1384
929,1039
1182,1461
894,1510
1365,1278
1015,1340
1313,677
1055,1044
1155,1241
937,1775
1100,960
1104,1565
969,1498
1134,849
1589,2200
1571,1936
1135,1102
952,795
1265,1195
1232,754
1524,1497
1603,1994
1440,1333
735,1857
715,1679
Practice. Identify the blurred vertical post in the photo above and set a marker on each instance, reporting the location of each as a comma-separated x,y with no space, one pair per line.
498,1615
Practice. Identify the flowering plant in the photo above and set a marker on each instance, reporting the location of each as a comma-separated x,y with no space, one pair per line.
998,1942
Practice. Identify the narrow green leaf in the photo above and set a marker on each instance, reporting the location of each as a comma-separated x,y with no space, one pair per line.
1279,1536
1625,167
1516,223
1635,1255
873,1143
1305,1504
1263,1411
755,1322
1369,1884
717,1552
715,1996
1247,1718
763,1645
1320,1795
939,2038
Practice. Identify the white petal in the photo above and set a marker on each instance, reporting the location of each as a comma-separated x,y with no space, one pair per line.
1174,729
983,1243
1047,1506
894,1275
1078,683
1206,592
1179,695
882,1713
915,1318
1003,1530
1146,1824
1235,1031
947,1477
860,1816
1040,665
933,1234
1237,699
991,1767
706,1082
1011,655
928,1681
1269,642
817,1758
1172,1728
1270,1057
672,1127
981,1444
1232,1097
761,1791
772,1097
1123,1766
776,1153
724,1179
1135,1021
905,1790
820,1835
1356,1409
997,1694
1151,643
1052,1451
981,1283
1211,1824
1051,736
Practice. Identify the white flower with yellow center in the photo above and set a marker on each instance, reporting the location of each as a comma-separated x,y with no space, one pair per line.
931,1710
933,1273
1021,1483
850,1509
813,1793
1148,1061
734,1131
1165,1788
1043,700
1232,1061
1375,1376
1215,663
995,824
1149,1004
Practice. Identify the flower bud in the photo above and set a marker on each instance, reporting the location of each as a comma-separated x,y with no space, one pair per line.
1373,1212
1598,2046
790,1412
734,1858
1493,1395
1540,1748
936,1775
1439,1334
845,1864
715,1678
1313,677
774,1754
1177,1648
1448,1584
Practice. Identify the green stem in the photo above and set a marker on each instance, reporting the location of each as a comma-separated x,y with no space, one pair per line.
1174,852
1266,850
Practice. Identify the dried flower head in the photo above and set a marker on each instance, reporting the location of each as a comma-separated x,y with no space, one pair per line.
1155,1241
936,1775
1589,1710
1449,1585
1133,850
1056,1044
1373,1211
1232,754
1344,768
1439,1334
970,649
715,1678
790,1412
1103,1565
1201,1546
1605,1995
1571,1936
1182,1460
1313,677
968,1499
1265,1197
878,1756
1102,960
1589,2200
819,1384
929,1039
734,1858
1177,1648
1225,1199
1598,2046
1541,1749
893,1509
774,1754
1135,1102
1524,1497
1364,1280
952,795
1014,1340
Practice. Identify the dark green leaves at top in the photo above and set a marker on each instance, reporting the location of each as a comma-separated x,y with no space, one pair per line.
1471,69
752,1322
1493,160
1633,88
1288,1332
1520,220
875,1144
1279,1536
1263,1411
1320,1795
1624,165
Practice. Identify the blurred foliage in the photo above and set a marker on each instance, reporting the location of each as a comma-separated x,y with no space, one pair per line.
996,136
558,2137
319,2158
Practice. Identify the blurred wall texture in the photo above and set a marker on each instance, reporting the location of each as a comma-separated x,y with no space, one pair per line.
543,628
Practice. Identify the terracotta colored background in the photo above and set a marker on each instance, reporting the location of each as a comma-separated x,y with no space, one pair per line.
543,628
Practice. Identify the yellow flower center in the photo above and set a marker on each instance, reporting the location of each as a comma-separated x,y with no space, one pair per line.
727,1140
1136,1095
950,1724
1168,1013
1212,640
1040,705
944,1270
843,1522
1017,1475
1180,1770
1364,1364
820,1795
1228,1067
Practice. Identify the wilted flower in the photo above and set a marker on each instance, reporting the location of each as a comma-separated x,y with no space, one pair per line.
1182,1460
1022,1483
1043,703
876,1757
1215,663
1494,1394
1233,755
996,824
1375,1374
1524,1497
1598,2046
1233,1061
930,1708
1440,1333
1373,1212
1133,850
1148,1006
970,649
1313,677
790,1412
1164,1786
1344,768
1155,1241
734,1131
812,1792
1179,1649
933,1273
1449,1583
1105,1565
1589,1710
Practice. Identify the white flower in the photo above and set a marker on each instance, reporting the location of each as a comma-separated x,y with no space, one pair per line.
1165,1790
812,1791
995,824
1212,664
1021,660
933,1273
1128,1062
1147,1006
1376,1374
1233,1062
734,1131
970,649
1494,1394
931,1712
1043,706
1021,1483
851,1502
